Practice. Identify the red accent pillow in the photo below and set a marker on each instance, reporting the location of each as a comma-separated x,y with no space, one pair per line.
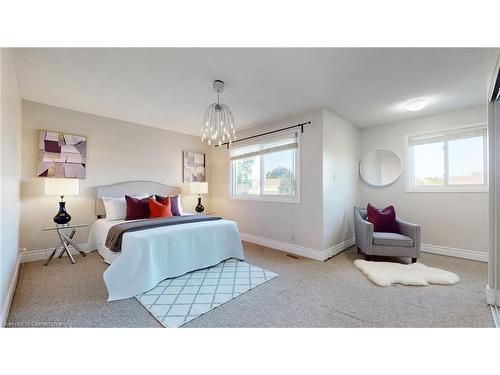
163,200
175,204
383,220
136,208
159,209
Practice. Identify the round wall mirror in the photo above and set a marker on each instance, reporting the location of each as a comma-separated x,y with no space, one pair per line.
380,167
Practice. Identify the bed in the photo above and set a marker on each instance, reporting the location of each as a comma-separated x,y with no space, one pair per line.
149,256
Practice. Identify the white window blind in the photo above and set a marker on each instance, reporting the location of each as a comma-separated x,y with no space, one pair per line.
423,139
264,146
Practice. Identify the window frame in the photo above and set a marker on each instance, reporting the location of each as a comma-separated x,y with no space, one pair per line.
269,197
446,188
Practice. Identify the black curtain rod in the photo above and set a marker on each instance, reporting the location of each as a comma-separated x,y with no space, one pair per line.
267,133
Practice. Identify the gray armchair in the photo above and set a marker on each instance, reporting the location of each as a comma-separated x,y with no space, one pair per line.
403,244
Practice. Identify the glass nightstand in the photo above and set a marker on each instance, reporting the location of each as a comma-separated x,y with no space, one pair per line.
66,240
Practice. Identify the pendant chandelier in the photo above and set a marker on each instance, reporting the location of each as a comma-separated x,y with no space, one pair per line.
218,123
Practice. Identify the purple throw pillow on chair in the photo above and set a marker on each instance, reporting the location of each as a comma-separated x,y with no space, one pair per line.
383,220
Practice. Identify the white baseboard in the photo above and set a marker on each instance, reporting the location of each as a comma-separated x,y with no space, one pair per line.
283,246
454,252
492,296
42,254
321,255
303,251
334,250
10,293
495,311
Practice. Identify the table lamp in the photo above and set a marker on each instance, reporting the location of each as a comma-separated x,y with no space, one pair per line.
61,187
196,188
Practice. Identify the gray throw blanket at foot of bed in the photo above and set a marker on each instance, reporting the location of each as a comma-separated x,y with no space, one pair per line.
115,234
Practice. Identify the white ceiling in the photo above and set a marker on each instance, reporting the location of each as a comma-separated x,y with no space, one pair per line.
170,87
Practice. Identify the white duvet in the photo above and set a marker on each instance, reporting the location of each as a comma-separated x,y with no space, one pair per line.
152,255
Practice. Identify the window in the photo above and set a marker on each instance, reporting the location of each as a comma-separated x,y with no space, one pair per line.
448,161
266,169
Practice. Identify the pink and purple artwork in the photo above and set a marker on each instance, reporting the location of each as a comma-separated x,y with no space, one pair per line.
193,167
61,155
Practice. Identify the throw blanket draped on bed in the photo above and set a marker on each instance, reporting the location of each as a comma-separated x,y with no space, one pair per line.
115,234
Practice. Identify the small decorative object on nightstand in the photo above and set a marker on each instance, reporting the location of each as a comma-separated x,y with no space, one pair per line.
196,188
61,187
65,240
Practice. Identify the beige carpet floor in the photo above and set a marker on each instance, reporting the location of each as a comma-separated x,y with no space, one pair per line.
306,294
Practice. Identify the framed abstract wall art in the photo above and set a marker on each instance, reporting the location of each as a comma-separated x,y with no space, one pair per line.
193,166
61,155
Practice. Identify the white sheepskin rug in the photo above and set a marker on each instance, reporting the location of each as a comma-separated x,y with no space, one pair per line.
387,273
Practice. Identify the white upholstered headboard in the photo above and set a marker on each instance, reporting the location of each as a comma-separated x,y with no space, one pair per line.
130,188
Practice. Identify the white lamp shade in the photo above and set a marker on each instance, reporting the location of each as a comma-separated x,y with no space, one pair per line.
61,186
195,188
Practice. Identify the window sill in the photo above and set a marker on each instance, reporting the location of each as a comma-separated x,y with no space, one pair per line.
260,198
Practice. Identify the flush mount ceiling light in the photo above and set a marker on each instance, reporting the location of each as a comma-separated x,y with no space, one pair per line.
218,123
416,104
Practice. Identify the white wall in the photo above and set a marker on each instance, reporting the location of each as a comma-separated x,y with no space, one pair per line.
116,151
456,220
295,223
11,119
323,218
340,178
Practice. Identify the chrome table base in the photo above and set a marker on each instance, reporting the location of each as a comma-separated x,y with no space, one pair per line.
65,241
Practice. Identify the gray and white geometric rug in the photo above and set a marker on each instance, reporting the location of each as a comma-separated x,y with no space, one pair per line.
179,300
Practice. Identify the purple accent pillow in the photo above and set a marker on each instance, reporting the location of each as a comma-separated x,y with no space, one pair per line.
383,220
137,208
174,204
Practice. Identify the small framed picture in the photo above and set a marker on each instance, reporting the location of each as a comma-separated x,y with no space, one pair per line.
193,166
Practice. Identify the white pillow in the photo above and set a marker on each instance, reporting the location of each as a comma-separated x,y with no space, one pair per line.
179,205
116,208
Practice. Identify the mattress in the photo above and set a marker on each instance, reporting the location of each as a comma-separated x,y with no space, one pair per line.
97,238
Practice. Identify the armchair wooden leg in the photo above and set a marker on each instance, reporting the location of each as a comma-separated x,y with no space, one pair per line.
414,260
359,250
